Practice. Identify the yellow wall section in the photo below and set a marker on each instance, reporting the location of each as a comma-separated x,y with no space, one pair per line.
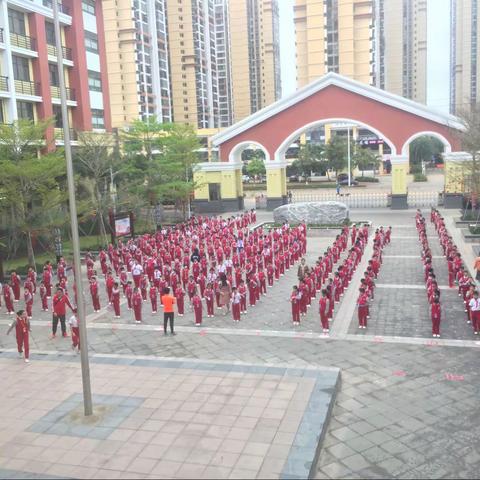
276,183
455,177
399,178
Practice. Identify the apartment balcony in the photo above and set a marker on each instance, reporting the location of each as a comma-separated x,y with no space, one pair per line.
61,8
23,41
25,87
55,92
66,52
60,136
3,84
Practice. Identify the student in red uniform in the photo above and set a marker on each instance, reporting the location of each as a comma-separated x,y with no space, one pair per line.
475,313
75,332
180,298
295,299
209,296
242,290
252,291
143,287
129,294
116,299
197,308
94,294
236,299
137,302
15,283
323,310
153,297
362,304
436,313
8,297
60,302
22,330
28,297
43,296
262,282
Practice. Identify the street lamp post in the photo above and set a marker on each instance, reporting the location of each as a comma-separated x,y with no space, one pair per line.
87,391
349,156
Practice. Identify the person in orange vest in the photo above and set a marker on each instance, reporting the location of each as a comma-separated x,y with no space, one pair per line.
168,302
22,330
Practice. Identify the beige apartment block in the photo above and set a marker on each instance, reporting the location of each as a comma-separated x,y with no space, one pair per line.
254,55
120,48
379,42
465,58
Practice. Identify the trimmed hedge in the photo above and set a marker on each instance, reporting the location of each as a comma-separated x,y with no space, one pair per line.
474,229
420,177
367,179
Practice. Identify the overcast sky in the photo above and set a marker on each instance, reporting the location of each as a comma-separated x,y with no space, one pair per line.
438,68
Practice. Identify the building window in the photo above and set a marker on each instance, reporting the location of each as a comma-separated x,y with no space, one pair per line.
214,191
88,6
94,81
54,79
98,119
21,70
16,22
57,116
50,33
25,111
91,42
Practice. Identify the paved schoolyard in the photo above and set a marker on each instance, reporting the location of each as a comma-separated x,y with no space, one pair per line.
406,406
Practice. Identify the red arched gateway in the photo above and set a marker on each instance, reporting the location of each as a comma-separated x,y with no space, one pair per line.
333,99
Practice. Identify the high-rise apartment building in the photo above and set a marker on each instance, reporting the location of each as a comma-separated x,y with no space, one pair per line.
464,55
204,62
379,42
29,83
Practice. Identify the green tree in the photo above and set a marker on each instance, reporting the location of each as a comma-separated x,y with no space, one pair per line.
469,138
256,167
31,184
336,152
364,158
310,159
423,149
97,164
161,158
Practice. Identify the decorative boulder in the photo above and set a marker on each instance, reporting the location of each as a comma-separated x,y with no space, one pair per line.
312,213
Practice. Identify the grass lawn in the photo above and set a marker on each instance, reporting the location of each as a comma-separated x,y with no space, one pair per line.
21,263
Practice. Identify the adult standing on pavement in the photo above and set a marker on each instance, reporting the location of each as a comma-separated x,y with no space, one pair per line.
22,330
225,293
168,301
476,266
60,302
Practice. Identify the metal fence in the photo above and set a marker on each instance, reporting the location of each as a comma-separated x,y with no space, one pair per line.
423,199
368,199
352,200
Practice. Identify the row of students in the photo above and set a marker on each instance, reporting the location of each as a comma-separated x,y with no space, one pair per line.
381,239
458,273
432,290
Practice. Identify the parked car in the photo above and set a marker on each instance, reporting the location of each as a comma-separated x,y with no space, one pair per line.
293,178
342,179
245,178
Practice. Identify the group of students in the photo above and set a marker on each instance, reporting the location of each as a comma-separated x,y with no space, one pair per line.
458,273
381,239
319,278
432,290
205,261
